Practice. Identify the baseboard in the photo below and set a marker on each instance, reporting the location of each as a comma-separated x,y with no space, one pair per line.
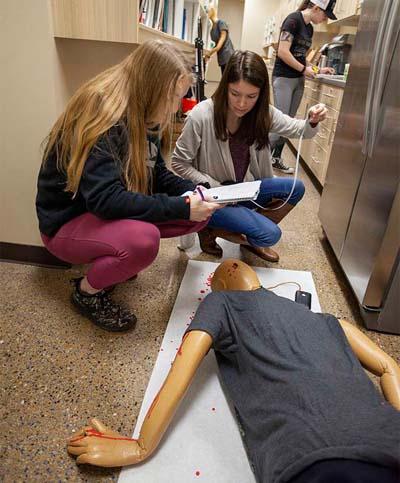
29,255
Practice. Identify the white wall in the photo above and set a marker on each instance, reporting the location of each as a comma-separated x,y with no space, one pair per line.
255,17
38,76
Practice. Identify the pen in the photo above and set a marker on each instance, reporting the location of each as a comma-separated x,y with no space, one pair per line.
200,193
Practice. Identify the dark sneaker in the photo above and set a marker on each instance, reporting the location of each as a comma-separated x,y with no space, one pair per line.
102,310
277,163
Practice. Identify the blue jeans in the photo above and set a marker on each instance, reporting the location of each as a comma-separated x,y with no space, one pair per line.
242,217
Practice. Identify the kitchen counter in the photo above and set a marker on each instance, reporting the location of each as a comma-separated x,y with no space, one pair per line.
333,82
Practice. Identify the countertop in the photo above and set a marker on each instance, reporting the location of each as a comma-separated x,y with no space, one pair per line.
333,82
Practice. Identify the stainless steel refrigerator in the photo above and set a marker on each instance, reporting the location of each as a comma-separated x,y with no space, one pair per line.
360,204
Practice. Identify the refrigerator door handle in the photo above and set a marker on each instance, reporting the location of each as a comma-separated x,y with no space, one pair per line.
387,56
373,74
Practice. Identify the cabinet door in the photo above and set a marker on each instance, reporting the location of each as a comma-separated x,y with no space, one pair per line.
344,9
349,8
115,21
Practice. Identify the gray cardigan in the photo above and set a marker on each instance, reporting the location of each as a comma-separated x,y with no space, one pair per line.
201,157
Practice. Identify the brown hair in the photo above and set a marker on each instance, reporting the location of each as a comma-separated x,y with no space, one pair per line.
132,92
255,125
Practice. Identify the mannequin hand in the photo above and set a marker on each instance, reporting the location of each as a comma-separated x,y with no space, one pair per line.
201,210
317,113
207,55
327,70
309,73
104,448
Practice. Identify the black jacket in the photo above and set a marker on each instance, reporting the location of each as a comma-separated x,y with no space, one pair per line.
102,190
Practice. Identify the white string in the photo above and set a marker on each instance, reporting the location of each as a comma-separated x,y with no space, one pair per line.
294,178
283,283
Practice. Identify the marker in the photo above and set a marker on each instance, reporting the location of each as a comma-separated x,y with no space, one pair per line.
200,193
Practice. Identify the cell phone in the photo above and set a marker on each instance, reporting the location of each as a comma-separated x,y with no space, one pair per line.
303,298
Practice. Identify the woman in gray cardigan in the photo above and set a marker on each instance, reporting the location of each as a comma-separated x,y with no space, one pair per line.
225,141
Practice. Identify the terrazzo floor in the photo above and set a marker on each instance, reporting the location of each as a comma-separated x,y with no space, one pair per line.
59,369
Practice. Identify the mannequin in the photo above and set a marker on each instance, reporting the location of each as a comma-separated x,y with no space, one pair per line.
98,445
220,35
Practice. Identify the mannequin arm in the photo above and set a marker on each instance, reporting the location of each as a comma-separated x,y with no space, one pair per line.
375,360
97,445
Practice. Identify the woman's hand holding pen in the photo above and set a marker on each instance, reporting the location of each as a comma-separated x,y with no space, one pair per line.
200,207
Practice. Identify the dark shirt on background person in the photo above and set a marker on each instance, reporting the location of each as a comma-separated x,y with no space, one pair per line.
301,35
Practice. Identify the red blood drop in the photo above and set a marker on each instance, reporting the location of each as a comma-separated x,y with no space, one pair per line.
197,473
213,409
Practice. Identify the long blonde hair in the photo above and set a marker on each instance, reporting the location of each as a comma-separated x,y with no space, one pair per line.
135,91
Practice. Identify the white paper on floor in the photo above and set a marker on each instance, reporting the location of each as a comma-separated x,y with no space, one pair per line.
203,441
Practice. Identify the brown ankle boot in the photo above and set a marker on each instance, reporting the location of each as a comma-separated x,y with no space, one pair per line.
230,236
208,243
266,253
276,215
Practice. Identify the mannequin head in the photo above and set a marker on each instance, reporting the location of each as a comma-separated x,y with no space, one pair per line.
234,274
212,13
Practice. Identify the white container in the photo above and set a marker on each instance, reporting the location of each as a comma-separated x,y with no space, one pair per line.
187,241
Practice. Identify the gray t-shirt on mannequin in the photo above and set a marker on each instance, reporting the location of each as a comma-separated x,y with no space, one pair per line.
224,54
300,393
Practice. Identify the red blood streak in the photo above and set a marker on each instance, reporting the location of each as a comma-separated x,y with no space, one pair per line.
96,434
208,281
152,406
155,400
180,347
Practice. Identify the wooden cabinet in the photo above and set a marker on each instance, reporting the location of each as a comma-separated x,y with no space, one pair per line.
113,21
316,151
110,21
345,9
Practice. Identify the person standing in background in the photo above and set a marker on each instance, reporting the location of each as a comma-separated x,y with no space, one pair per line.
220,35
291,65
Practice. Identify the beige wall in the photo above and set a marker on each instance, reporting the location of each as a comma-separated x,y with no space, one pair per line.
255,16
232,12
28,110
38,75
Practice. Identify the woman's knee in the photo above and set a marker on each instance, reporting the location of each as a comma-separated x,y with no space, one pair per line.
139,246
266,237
298,192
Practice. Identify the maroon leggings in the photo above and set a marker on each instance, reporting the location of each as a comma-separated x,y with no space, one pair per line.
116,249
